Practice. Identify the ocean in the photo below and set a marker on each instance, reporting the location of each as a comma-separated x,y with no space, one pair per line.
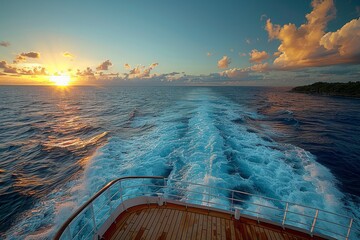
59,146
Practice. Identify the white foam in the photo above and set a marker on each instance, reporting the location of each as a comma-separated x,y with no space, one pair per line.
196,140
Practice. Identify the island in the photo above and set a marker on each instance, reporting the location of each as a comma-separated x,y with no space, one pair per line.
349,89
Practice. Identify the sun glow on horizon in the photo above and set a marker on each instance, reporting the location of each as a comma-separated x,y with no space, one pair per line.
62,80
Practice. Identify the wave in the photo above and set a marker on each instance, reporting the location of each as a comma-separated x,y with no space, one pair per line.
203,138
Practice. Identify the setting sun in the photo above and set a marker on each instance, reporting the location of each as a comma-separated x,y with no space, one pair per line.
62,80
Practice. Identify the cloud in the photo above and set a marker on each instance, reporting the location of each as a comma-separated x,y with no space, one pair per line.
7,68
140,72
37,70
87,72
248,41
224,62
263,16
127,66
238,73
209,54
3,64
242,54
23,56
153,65
31,54
309,45
4,44
67,54
346,41
261,67
258,57
33,71
104,66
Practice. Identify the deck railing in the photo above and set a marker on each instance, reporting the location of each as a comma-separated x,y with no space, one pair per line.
86,221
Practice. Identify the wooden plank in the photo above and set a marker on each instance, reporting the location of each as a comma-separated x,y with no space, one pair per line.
238,232
126,234
255,231
186,225
209,227
123,228
149,221
223,228
171,223
137,224
140,224
163,220
213,228
151,224
190,226
139,234
204,227
167,219
177,222
232,230
152,234
177,226
199,221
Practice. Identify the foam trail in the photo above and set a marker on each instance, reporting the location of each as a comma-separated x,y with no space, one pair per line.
205,138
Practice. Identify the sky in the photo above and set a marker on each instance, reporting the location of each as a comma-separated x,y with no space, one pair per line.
167,42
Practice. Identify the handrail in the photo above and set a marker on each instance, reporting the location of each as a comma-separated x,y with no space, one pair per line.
260,210
75,214
259,196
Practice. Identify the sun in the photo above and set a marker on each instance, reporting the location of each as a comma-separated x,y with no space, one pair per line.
61,80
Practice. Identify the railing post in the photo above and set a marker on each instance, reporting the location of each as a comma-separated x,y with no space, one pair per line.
284,218
314,222
164,190
93,216
349,229
209,193
232,200
121,196
68,232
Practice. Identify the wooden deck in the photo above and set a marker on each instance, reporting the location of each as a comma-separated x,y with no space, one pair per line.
173,221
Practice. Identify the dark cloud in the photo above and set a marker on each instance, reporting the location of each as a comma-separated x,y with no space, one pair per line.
87,72
104,66
22,56
31,54
4,44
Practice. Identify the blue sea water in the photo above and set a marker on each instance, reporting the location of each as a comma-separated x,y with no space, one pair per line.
58,146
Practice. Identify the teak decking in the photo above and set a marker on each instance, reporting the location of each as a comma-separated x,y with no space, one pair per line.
173,221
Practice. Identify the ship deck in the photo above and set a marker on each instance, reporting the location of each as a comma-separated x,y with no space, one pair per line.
172,221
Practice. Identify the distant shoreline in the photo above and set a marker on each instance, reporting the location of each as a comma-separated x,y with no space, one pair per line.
350,89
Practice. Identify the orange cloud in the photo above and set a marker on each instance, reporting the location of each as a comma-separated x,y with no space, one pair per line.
224,62
258,57
261,67
346,41
104,66
310,46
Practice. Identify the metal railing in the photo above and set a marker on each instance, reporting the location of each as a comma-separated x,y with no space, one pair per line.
87,220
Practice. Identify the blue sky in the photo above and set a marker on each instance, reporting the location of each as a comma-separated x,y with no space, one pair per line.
157,38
